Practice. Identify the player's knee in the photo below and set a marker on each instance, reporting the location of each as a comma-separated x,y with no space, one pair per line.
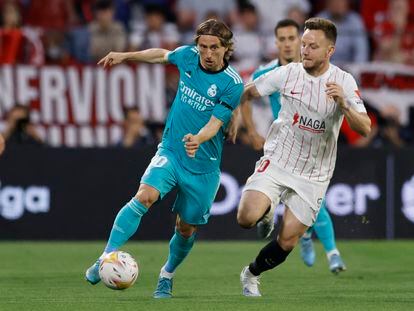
185,231
288,242
245,219
146,198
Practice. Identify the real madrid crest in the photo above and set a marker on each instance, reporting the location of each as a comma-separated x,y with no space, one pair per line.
212,91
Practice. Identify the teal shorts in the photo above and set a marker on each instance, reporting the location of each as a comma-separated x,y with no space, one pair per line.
196,192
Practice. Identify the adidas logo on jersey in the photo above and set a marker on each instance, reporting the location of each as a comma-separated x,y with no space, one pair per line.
308,124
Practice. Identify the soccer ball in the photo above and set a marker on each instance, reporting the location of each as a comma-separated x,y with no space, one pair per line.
118,270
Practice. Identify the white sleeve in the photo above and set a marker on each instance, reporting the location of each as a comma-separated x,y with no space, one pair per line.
352,95
270,82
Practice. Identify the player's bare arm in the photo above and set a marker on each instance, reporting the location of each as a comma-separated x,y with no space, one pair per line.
233,127
249,93
193,142
152,56
358,121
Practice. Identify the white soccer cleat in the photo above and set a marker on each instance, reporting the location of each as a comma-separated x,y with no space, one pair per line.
250,283
266,225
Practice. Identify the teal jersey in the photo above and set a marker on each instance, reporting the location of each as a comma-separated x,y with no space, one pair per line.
200,95
275,97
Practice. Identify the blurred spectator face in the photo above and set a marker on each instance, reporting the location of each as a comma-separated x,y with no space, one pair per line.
288,43
133,122
316,49
297,15
155,21
249,19
105,16
18,118
398,12
11,16
211,52
337,8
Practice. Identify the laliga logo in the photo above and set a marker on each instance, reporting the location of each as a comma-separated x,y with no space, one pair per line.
212,91
14,200
407,198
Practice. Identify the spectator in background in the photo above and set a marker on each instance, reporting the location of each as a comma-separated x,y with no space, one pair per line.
19,129
11,36
192,12
248,51
352,42
299,15
2,144
136,135
356,140
55,14
394,37
105,33
270,13
390,127
157,130
155,33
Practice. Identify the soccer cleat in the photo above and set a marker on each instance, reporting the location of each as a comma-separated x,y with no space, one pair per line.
266,225
250,283
307,251
336,264
92,274
164,288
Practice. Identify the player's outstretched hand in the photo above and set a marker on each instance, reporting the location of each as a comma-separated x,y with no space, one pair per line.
112,58
191,144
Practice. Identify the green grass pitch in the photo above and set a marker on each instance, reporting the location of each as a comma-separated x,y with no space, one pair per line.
50,276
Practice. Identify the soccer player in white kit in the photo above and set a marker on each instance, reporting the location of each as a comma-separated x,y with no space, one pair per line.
300,148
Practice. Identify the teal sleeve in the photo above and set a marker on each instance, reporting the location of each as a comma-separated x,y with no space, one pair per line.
228,102
180,55
223,112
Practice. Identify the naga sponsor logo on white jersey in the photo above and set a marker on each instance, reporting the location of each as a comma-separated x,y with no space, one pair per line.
309,124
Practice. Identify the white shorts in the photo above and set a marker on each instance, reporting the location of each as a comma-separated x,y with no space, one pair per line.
301,195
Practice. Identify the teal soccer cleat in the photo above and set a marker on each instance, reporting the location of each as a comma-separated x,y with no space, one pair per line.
336,264
307,252
164,288
92,274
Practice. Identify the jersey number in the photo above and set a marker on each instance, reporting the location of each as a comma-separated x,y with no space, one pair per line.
263,166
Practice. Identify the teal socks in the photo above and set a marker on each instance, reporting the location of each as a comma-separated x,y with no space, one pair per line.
179,249
324,229
125,225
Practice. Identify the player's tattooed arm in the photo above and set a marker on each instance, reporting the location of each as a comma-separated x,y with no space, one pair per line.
193,142
249,93
358,121
152,56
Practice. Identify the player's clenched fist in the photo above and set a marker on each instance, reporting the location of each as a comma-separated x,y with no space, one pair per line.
111,59
335,91
191,144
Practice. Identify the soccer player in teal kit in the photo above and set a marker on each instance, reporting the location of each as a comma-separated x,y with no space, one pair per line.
189,155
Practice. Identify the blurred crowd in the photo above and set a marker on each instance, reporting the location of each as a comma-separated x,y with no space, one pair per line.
67,32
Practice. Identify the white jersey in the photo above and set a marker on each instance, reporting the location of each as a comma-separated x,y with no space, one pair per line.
303,140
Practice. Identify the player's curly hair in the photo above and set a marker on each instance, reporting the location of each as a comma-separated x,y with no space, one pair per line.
219,29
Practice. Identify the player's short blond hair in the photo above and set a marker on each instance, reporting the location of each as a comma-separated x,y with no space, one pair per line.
328,27
218,29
